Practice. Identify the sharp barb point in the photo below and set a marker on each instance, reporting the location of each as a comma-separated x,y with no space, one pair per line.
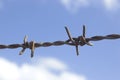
32,48
77,51
22,51
84,31
69,35
25,38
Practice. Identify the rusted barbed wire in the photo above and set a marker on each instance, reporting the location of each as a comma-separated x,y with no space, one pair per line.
79,41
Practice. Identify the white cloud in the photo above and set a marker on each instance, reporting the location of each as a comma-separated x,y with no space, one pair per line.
74,5
42,70
111,4
50,62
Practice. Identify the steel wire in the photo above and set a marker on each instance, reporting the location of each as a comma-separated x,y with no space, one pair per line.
79,41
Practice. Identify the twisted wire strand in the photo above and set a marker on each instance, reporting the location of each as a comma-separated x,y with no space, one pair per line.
79,41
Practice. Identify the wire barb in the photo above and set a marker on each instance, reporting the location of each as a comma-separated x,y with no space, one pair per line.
24,45
32,47
72,41
69,35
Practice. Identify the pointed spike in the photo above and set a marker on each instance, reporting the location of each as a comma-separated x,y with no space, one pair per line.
77,51
88,43
32,54
84,31
25,38
22,51
32,48
69,35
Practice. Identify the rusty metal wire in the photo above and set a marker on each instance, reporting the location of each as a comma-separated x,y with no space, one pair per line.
79,41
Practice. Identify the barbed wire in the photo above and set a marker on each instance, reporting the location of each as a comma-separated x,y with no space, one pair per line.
79,41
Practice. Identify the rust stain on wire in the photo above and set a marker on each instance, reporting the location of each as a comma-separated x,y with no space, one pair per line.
78,41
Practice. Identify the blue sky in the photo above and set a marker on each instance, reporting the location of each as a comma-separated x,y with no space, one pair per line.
43,21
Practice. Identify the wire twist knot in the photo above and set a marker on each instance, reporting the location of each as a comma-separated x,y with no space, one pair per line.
81,40
30,45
